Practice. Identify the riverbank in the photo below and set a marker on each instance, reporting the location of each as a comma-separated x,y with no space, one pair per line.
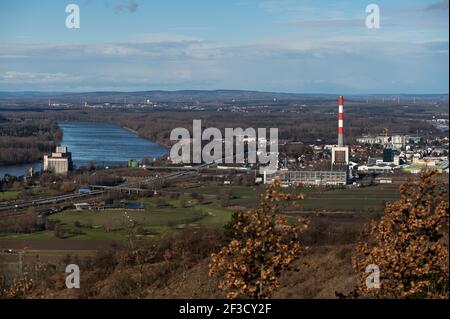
99,143
131,130
165,143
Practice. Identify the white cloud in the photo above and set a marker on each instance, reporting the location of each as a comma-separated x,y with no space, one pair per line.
157,37
363,63
15,77
110,50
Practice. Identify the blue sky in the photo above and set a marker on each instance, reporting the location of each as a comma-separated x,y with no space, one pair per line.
302,46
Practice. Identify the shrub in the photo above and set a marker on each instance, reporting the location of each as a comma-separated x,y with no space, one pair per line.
409,244
263,246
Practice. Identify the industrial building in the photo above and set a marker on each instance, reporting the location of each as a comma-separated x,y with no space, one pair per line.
376,169
313,177
388,155
371,140
340,154
59,162
396,142
338,175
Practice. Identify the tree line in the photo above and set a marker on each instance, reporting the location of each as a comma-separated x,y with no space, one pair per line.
27,140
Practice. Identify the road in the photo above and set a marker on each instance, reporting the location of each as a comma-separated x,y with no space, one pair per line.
99,189
47,200
67,197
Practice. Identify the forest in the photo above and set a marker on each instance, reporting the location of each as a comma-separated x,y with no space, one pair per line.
25,140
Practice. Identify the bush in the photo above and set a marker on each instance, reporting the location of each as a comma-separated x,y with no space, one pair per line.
409,244
263,246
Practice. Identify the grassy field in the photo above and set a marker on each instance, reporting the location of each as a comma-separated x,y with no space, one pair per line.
351,199
35,191
240,196
157,217
165,214
316,199
9,195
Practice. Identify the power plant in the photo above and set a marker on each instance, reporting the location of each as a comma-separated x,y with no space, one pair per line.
340,159
340,154
341,122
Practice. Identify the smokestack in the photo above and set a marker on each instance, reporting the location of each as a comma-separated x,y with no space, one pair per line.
341,122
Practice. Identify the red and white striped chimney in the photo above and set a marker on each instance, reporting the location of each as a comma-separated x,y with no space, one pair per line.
341,122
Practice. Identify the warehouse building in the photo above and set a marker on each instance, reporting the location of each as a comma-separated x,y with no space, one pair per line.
313,177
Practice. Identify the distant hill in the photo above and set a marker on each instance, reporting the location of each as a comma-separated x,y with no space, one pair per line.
172,96
190,96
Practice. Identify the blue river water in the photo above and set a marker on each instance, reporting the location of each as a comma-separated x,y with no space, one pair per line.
100,143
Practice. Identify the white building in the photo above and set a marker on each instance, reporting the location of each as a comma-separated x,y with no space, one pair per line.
340,155
59,162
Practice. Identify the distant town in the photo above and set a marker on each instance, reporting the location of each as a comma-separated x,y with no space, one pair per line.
83,172
362,159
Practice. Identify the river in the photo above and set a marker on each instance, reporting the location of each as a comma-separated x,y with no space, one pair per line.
101,143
